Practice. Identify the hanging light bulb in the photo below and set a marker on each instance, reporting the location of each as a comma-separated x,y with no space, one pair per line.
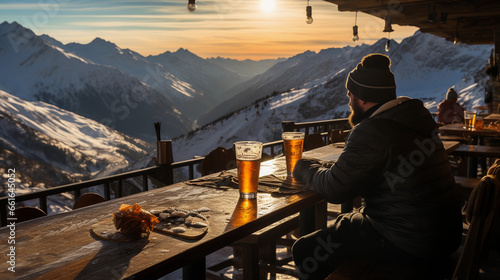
355,36
309,18
191,5
388,28
456,37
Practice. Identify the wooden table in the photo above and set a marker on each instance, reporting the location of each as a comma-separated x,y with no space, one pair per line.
477,135
477,139
61,246
450,146
492,117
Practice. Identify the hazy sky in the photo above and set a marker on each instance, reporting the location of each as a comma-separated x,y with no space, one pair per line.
239,29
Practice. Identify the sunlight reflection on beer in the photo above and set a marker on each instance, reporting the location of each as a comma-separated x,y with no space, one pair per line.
469,120
248,158
245,211
293,143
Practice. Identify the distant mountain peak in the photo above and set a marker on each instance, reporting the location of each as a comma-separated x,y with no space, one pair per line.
9,27
186,53
14,27
101,42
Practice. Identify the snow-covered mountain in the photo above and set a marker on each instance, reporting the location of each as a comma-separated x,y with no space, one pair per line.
34,69
209,78
175,87
424,65
49,146
181,89
246,68
311,87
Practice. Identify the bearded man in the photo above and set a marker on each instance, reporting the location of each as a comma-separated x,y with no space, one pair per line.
395,161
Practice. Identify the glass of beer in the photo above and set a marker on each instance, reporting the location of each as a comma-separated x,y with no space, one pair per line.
293,143
479,123
469,119
248,157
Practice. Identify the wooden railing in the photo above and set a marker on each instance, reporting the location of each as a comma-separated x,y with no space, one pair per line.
324,126
163,173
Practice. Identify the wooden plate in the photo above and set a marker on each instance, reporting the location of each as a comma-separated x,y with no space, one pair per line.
106,230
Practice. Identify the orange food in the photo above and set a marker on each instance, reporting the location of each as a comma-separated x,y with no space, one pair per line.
133,222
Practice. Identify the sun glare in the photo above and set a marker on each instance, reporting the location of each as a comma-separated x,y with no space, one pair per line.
267,5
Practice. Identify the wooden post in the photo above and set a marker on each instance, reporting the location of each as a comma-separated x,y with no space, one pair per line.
164,159
288,126
495,81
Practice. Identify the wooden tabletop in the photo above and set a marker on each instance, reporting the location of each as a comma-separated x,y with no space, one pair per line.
458,129
450,146
492,117
61,246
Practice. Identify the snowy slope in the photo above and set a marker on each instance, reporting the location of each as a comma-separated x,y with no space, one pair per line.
34,69
425,67
85,145
189,100
245,68
206,77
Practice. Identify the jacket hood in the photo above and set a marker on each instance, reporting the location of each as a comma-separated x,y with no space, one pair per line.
408,112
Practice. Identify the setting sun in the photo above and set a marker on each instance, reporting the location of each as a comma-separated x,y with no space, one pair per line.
267,5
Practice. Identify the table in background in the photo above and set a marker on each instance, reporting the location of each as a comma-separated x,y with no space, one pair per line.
492,117
477,135
477,141
61,246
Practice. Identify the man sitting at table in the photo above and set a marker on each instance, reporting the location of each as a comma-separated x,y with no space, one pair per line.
449,111
393,159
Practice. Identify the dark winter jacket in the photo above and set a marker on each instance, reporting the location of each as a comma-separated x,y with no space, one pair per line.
396,162
450,111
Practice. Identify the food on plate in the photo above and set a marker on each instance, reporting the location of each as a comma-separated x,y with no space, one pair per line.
134,222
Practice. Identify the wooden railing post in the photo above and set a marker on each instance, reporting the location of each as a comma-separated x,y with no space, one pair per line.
164,160
287,126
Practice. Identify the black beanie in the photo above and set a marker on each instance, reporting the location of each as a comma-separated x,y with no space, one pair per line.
372,80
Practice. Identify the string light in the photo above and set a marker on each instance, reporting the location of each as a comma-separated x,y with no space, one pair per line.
388,43
355,36
456,37
388,28
191,6
309,18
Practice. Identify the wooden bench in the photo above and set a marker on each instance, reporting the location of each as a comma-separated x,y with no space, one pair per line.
256,253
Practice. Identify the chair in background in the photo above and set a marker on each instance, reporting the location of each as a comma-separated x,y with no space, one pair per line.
26,213
338,135
313,141
217,160
87,199
482,215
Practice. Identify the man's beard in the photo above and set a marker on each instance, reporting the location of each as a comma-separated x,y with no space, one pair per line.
356,113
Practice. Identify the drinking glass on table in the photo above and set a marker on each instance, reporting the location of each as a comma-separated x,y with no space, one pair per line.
479,123
248,158
293,143
469,119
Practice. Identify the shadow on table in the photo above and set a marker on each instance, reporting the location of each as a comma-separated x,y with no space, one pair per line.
112,260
